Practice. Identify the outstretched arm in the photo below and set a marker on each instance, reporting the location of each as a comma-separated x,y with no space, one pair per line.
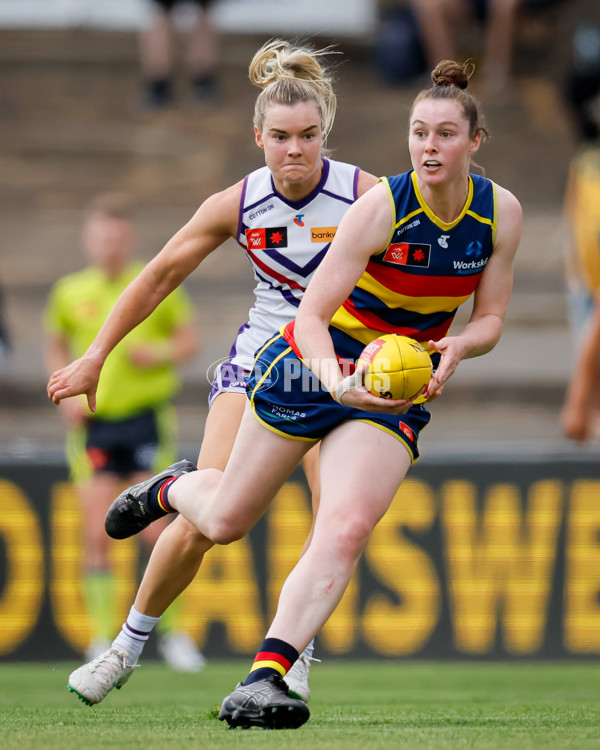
212,224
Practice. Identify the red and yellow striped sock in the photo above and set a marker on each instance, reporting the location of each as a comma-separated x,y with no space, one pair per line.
274,657
158,497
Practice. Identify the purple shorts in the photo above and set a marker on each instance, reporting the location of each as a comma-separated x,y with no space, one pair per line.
228,378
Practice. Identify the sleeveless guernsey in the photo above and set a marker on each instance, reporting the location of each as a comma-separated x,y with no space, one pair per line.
415,285
285,241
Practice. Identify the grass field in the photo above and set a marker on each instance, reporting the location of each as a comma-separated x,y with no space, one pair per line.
367,705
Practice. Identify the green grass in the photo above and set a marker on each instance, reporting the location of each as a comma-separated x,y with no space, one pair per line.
366,705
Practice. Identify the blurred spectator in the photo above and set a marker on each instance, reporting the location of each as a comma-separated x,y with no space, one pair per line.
581,413
158,45
414,35
583,82
133,433
399,54
4,337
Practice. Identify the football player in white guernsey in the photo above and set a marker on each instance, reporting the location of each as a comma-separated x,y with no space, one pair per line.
284,216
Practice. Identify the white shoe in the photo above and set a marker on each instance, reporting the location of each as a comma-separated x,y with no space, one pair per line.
180,652
297,678
93,681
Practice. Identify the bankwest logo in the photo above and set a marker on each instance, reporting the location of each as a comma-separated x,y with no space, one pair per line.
322,234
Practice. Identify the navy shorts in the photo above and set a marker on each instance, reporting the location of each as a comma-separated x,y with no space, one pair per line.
123,446
288,398
144,443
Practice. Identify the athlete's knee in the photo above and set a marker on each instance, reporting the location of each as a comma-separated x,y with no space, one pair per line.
97,544
225,530
96,554
187,536
210,479
349,535
228,526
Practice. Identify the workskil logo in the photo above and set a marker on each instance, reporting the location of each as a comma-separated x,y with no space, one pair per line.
475,264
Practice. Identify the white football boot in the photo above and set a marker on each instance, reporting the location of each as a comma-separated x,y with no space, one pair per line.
93,681
180,652
297,678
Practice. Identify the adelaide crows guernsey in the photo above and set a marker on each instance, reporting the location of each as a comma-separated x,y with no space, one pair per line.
285,241
414,285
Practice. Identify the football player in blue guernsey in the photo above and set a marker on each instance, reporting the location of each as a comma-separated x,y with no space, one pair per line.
405,256
284,216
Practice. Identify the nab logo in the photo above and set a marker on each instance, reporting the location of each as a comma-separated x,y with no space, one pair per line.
474,248
266,237
298,220
443,240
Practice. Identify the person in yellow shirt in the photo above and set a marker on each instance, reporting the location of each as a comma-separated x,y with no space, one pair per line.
581,412
134,431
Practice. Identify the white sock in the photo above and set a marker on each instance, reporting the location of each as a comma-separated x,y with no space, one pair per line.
134,634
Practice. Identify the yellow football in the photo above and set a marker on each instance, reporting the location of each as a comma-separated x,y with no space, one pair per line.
399,367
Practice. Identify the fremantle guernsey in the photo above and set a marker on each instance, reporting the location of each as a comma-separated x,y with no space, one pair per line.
414,285
285,241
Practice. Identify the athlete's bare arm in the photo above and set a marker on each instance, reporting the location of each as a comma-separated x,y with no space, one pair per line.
213,223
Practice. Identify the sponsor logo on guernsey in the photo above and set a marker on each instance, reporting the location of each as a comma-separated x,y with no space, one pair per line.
469,266
322,234
474,248
261,211
475,262
298,220
408,254
406,227
443,240
266,237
